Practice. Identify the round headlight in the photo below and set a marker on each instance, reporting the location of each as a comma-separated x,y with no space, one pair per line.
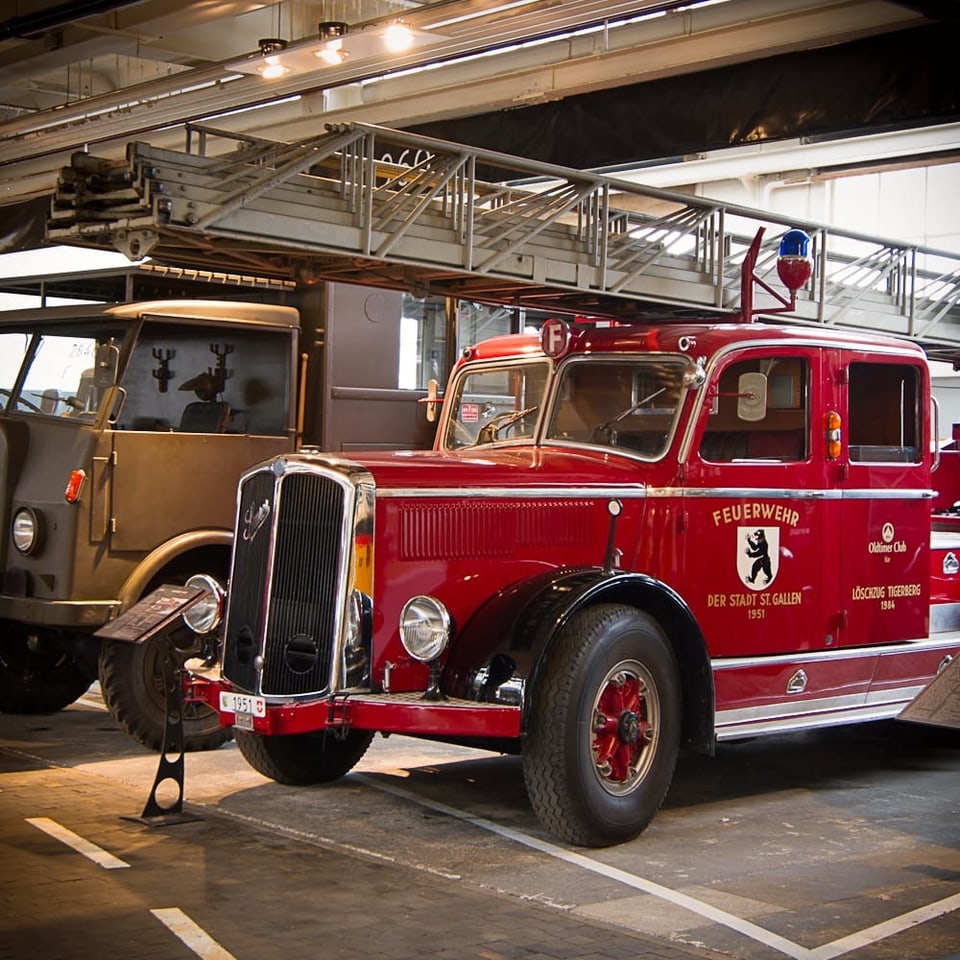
26,530
424,628
205,615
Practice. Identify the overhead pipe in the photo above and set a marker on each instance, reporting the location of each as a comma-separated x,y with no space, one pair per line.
30,26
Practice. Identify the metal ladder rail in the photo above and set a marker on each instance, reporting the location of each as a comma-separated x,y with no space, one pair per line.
581,234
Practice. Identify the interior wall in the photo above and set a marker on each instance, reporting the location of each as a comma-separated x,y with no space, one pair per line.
363,407
918,205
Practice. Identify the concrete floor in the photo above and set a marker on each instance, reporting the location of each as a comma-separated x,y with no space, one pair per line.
842,843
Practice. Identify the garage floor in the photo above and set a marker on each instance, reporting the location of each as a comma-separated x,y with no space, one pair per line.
841,843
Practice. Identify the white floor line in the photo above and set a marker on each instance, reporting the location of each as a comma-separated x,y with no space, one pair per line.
888,928
795,951
90,850
193,936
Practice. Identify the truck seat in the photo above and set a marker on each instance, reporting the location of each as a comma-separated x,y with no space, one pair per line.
205,416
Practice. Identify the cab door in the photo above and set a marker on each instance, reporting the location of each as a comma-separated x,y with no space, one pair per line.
758,551
884,523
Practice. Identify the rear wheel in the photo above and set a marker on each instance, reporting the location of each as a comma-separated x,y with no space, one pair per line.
36,678
603,730
302,759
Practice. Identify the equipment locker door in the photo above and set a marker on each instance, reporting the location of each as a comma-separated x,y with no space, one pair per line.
885,520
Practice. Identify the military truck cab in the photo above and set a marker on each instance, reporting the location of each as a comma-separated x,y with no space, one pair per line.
123,430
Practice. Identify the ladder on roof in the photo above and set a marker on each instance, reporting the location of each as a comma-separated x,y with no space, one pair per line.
366,204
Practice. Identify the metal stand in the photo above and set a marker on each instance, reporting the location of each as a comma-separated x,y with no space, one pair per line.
170,768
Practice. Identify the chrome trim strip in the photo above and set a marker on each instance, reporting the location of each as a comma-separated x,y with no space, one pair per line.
782,493
822,705
631,492
842,653
767,493
891,494
640,490
810,721
791,708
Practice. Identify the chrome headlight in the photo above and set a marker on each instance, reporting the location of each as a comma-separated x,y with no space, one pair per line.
26,530
205,615
424,628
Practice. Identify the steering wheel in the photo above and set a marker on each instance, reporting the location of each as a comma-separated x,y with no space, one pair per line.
488,432
21,399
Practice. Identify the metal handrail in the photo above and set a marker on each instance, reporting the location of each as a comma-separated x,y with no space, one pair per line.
485,225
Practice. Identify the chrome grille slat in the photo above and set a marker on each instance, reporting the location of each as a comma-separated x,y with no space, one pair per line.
247,600
305,585
285,594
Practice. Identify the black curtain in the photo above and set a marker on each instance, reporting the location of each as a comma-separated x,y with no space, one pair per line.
897,80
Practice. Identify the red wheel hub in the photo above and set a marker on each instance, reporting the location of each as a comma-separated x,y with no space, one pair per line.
620,730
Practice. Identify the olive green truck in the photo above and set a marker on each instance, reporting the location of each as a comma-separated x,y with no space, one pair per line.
123,430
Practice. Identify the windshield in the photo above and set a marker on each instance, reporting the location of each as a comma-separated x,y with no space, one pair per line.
494,403
56,368
629,404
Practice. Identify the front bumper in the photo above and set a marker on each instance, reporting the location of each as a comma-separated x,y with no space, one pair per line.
58,613
407,713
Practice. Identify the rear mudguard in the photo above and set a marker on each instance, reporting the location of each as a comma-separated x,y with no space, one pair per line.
499,653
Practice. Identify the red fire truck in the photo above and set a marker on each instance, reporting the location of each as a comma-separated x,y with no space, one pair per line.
626,540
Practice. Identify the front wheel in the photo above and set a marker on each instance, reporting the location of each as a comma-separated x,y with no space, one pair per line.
131,680
302,759
604,727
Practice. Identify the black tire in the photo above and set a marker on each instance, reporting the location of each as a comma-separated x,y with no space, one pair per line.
131,680
603,730
36,682
301,759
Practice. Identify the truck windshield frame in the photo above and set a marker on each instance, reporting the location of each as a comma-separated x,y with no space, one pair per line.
496,402
632,404
50,371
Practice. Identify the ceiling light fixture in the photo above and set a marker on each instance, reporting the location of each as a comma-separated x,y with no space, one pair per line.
270,49
333,46
332,52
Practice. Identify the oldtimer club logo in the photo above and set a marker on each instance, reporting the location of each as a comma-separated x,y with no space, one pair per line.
888,542
758,556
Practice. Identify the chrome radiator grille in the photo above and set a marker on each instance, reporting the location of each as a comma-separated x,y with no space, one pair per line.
285,590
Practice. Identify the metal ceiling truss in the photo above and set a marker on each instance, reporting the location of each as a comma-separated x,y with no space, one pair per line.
331,208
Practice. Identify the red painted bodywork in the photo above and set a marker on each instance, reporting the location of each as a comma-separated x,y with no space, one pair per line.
848,605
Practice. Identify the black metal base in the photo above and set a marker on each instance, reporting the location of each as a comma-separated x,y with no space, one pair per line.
170,767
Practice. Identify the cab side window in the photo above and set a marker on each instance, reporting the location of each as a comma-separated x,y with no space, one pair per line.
885,422
759,412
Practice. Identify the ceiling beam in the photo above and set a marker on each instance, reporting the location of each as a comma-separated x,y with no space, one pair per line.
35,147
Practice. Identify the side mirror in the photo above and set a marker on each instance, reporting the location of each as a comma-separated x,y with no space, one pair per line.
106,366
695,375
752,396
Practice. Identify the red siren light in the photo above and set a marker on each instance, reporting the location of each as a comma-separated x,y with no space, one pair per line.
793,265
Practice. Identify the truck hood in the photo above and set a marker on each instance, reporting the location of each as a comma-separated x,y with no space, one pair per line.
513,468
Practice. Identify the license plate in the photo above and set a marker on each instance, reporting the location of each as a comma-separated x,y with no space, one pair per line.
243,703
243,721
